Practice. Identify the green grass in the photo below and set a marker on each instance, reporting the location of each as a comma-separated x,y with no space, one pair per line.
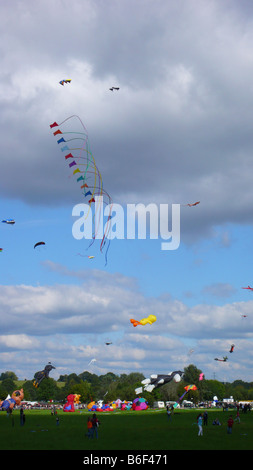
128,430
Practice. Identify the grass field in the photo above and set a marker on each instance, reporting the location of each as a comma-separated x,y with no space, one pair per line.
127,430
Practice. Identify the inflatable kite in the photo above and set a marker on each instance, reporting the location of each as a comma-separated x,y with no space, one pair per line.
9,221
41,375
10,402
76,148
150,319
157,380
72,400
64,81
139,404
93,406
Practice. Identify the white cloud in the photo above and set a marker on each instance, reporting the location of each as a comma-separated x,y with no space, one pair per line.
70,322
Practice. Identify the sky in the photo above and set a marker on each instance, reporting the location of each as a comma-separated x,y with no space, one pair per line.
178,131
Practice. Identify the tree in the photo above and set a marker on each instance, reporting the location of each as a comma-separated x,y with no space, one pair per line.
8,385
8,375
214,388
191,374
47,390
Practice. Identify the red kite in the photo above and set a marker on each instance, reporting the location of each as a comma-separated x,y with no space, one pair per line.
232,348
191,205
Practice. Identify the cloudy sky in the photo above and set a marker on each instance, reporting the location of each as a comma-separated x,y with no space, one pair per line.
178,131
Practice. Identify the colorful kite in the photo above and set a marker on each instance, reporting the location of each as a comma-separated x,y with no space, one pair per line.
150,319
64,81
75,146
139,404
41,375
11,401
72,399
187,389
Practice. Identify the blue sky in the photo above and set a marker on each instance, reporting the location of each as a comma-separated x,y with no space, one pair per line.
178,131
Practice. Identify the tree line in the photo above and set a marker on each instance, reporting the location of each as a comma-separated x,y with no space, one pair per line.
110,387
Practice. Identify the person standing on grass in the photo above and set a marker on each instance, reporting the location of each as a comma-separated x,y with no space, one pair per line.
230,424
89,428
200,424
169,412
95,424
237,414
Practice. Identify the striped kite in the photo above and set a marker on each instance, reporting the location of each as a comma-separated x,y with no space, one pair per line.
75,146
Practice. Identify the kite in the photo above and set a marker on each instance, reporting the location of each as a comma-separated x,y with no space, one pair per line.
191,351
1,249
41,375
157,380
244,316
64,81
86,256
232,348
39,244
139,404
221,360
201,376
150,319
250,288
92,360
191,205
187,389
11,401
72,399
108,343
76,148
114,88
9,221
